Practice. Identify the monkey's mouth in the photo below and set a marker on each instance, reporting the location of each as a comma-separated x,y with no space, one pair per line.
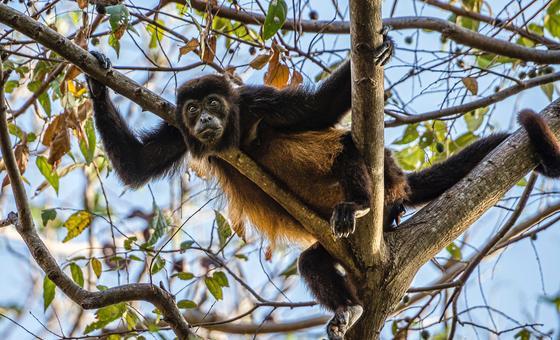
210,135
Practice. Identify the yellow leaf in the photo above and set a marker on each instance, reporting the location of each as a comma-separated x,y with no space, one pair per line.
471,84
76,224
96,266
296,79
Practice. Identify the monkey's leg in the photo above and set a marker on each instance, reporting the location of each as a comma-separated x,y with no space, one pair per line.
430,183
544,142
352,174
328,282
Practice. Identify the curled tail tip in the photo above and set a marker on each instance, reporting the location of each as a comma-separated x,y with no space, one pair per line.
528,117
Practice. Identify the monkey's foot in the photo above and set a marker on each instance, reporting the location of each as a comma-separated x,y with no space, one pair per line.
343,319
384,52
396,211
96,88
343,219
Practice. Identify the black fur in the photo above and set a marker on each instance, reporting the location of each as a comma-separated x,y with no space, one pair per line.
249,110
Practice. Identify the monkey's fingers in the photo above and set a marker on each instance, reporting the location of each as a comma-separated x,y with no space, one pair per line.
104,62
384,52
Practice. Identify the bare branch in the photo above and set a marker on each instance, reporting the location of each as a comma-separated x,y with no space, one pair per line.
475,104
26,228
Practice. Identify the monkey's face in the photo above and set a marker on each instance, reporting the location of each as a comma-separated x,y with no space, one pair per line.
206,118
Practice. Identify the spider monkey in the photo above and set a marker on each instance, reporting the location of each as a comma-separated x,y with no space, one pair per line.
291,133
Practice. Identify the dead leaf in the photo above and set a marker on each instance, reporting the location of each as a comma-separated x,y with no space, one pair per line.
277,74
208,51
471,84
21,153
59,147
72,73
260,61
82,3
192,45
57,124
296,80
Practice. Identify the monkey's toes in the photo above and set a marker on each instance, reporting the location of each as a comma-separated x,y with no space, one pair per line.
104,62
343,220
338,325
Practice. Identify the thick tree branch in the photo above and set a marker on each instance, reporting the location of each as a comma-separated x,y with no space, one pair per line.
433,228
522,31
25,226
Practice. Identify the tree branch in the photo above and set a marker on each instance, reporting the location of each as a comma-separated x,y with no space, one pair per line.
367,124
25,227
475,104
448,29
433,228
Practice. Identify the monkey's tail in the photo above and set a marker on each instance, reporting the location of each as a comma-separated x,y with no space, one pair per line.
544,142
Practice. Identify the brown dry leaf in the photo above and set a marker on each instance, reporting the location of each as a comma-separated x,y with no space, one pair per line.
192,45
81,36
21,153
84,111
82,3
296,79
56,125
260,61
471,84
208,49
72,73
59,147
277,74
268,254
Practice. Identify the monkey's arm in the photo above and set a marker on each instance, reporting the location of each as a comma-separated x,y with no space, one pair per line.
302,109
136,160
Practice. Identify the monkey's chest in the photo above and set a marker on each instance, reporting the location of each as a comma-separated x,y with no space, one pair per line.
302,162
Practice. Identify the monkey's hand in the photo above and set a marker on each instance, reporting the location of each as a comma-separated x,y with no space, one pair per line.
96,88
343,219
343,319
383,53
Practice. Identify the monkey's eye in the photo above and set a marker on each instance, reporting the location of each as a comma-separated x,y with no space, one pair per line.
192,108
214,103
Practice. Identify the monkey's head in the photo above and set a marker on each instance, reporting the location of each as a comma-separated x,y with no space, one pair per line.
207,110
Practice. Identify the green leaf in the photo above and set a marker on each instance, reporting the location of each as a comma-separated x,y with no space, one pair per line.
185,304
474,119
186,245
10,86
115,44
290,270
48,215
49,289
76,224
214,288
224,229
48,172
454,251
105,316
118,16
87,145
158,265
548,90
158,225
96,266
77,274
221,279
129,241
43,98
552,24
184,276
409,136
523,334
275,18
